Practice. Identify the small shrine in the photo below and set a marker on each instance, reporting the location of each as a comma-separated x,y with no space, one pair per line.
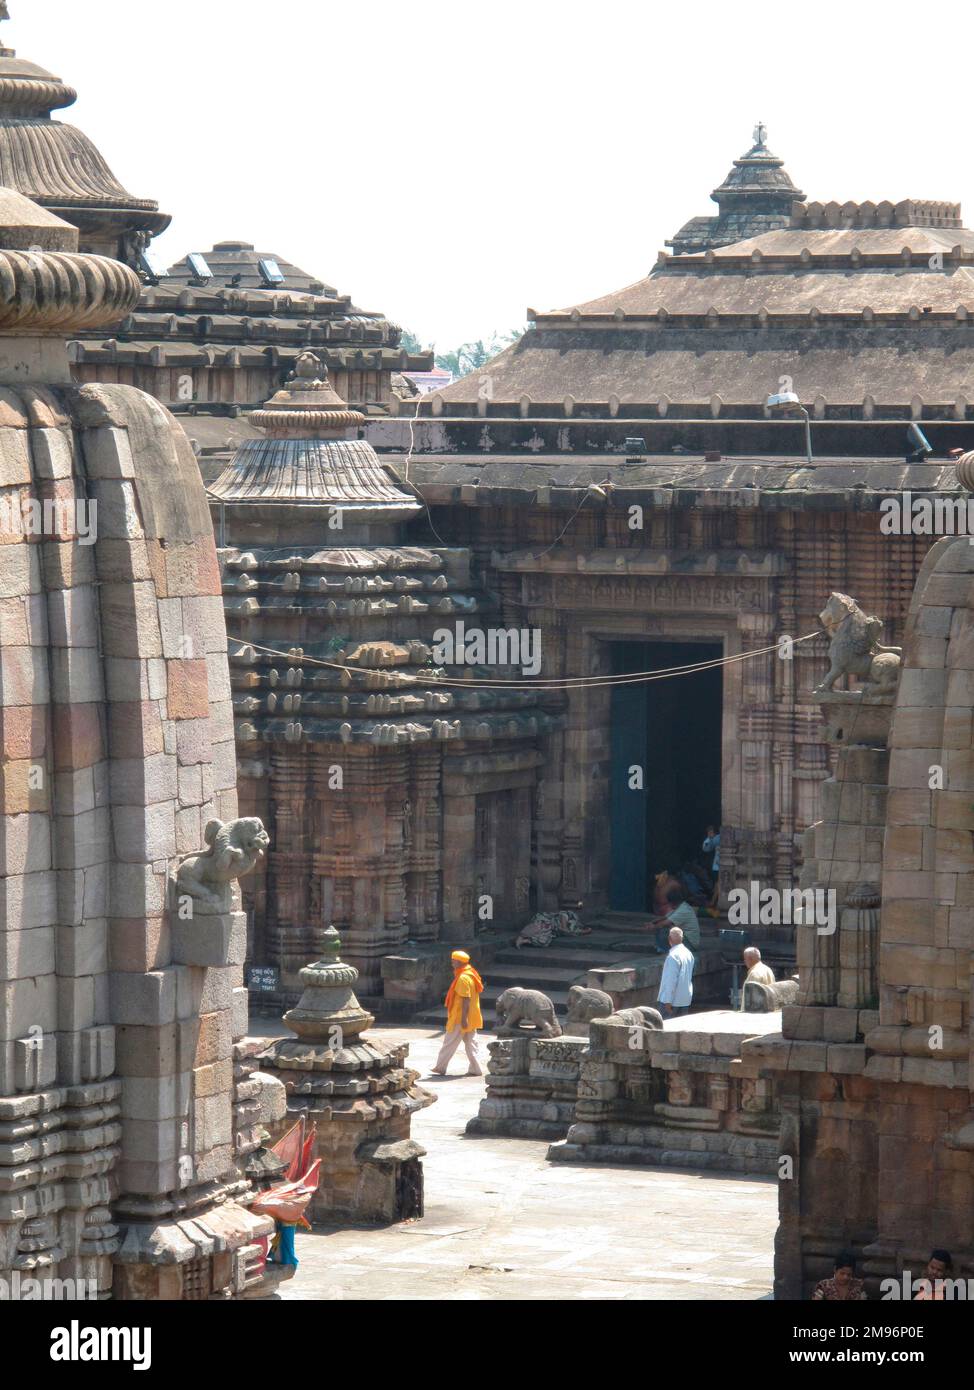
357,1093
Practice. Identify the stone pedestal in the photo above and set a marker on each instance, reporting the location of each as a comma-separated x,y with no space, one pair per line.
357,1092
677,1096
531,1087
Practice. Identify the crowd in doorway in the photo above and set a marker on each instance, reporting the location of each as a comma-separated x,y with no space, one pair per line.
696,881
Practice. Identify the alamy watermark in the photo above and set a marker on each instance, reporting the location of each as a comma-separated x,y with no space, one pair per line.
21,1288
492,646
67,517
906,1288
906,515
755,906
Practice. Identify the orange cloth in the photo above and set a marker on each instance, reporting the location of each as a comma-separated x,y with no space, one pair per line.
467,984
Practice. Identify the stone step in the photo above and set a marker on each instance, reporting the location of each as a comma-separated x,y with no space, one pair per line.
565,959
534,976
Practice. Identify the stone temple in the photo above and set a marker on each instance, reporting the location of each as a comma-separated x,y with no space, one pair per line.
677,473
521,495
122,1120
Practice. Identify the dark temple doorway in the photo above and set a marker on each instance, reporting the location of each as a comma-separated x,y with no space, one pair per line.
671,729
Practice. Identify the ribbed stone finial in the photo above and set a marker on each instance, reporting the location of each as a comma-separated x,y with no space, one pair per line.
328,1010
964,469
307,404
45,285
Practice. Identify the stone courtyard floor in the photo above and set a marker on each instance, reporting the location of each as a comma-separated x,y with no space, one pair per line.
502,1223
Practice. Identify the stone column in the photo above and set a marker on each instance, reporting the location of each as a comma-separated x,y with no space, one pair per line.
844,852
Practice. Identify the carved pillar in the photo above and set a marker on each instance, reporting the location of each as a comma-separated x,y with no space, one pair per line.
289,860
358,853
755,840
845,848
421,843
858,948
459,865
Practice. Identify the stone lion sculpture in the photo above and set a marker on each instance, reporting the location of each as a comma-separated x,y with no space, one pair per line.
855,649
516,1006
585,1003
235,848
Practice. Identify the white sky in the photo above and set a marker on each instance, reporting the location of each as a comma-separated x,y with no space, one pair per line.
451,164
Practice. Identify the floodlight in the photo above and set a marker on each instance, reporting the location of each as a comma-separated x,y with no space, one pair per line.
145,270
922,447
270,272
202,274
787,403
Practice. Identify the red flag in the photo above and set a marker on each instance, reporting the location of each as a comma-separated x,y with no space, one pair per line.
290,1147
308,1150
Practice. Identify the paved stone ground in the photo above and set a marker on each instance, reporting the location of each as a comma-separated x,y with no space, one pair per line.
502,1223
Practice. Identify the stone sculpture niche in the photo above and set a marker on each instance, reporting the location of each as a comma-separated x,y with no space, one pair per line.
855,649
516,1006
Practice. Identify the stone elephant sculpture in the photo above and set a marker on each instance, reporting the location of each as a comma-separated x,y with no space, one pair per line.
516,1006
585,1003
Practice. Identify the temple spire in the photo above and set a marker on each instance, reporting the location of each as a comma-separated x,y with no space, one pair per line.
760,135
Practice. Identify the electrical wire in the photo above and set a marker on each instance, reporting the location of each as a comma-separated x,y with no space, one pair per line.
559,683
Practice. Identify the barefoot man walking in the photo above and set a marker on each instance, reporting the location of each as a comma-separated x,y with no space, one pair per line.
463,1016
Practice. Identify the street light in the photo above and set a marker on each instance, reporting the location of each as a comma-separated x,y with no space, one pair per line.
787,403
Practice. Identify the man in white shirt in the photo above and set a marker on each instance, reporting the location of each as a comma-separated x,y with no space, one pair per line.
676,982
757,972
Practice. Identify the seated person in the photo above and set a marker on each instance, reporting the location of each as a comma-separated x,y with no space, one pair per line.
939,1267
757,972
682,915
662,884
843,1287
697,894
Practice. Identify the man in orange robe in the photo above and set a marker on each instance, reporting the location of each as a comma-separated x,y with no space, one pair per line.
463,1016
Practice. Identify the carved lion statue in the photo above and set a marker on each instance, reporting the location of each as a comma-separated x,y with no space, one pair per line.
585,1003
855,649
516,1006
235,847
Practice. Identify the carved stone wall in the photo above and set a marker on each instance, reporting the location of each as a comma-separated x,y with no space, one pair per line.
876,1105
119,1134
678,1096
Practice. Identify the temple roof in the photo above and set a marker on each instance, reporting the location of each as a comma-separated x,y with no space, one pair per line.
343,473
58,166
680,367
751,480
757,195
306,461
237,263
864,306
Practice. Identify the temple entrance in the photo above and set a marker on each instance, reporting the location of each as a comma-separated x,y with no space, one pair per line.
665,735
